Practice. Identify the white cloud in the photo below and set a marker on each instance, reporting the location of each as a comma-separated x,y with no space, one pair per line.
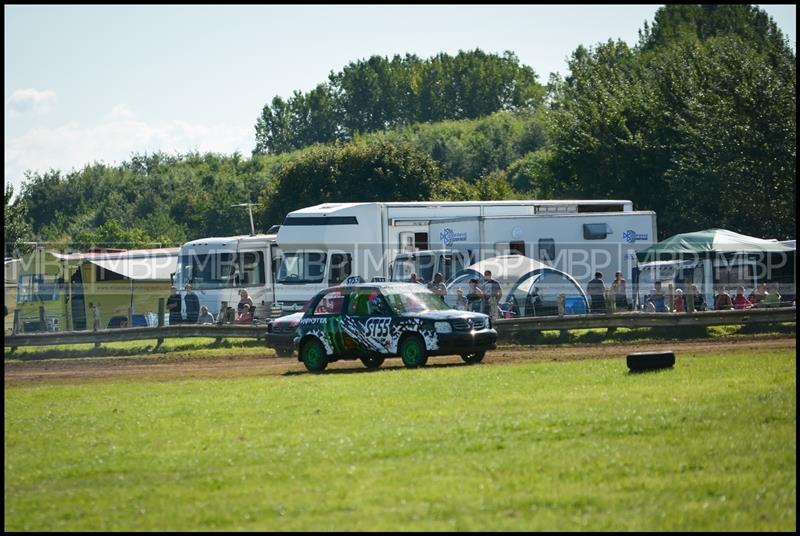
24,101
114,140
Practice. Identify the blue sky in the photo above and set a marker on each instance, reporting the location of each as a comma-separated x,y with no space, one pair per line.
99,83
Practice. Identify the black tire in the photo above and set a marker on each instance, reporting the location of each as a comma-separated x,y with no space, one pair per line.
372,362
313,356
413,352
473,358
645,361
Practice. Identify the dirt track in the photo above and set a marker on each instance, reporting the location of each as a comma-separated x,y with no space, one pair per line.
176,366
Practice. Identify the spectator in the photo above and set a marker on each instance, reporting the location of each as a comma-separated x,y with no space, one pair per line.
619,289
596,290
192,303
205,317
413,278
699,301
679,303
174,304
244,299
437,286
658,298
474,296
771,299
461,301
758,294
245,317
491,295
722,301
740,302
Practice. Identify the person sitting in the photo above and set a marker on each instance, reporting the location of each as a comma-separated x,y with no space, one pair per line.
244,298
739,301
658,298
699,301
723,300
245,317
679,302
758,294
771,299
411,305
205,317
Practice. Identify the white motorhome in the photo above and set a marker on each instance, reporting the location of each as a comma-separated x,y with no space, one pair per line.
324,244
578,243
218,267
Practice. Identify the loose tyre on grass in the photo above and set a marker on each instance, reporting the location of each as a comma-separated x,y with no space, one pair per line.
646,361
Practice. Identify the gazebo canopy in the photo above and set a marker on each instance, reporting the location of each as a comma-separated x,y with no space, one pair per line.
707,244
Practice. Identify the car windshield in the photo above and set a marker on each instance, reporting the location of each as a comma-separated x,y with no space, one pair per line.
403,302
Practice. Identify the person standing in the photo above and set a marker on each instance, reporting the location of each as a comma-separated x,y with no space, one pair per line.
596,290
491,295
192,305
437,286
699,301
174,304
474,296
620,292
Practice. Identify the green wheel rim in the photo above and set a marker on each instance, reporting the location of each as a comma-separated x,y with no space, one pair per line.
411,353
313,355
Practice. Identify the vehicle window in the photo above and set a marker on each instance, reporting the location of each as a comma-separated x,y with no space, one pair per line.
302,267
330,304
367,302
340,267
251,264
596,231
403,302
547,249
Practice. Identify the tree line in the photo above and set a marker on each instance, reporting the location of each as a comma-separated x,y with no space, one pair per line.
697,121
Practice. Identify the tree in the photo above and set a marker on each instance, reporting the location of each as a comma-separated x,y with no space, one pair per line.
375,171
16,229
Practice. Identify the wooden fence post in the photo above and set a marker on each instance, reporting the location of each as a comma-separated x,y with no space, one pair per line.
562,298
17,327
161,307
42,320
96,321
670,297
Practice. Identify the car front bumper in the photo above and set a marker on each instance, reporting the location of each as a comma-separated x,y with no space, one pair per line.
464,343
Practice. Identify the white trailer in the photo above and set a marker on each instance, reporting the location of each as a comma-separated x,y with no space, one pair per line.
324,244
579,244
218,267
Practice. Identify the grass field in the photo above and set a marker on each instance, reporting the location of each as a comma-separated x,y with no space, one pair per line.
582,445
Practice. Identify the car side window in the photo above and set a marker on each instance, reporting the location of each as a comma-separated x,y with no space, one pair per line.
330,304
367,302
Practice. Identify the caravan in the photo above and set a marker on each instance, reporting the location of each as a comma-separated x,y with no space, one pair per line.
61,292
219,267
324,244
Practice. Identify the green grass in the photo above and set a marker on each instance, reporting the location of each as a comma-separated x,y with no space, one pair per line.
208,347
708,445
197,346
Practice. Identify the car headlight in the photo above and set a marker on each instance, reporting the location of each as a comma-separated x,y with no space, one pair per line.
443,327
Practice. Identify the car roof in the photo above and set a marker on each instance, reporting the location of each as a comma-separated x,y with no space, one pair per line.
396,285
